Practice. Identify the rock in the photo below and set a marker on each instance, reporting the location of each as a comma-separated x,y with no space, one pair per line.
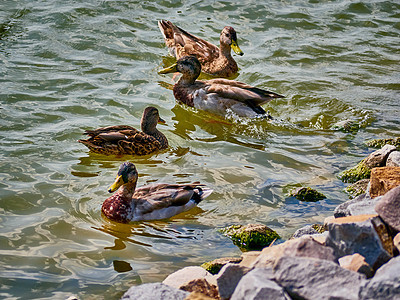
382,230
306,230
356,263
154,291
358,188
356,234
198,296
307,194
378,158
258,284
201,286
393,159
310,278
215,265
228,278
379,143
320,238
383,180
248,258
251,236
305,246
385,284
396,242
361,205
185,275
388,208
360,171
346,126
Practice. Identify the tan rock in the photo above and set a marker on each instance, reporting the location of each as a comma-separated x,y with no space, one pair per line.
356,263
351,219
185,275
378,158
383,180
396,242
248,258
320,238
198,296
201,286
328,220
381,229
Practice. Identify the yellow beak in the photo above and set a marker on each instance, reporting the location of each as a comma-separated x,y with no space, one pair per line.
117,183
171,69
236,49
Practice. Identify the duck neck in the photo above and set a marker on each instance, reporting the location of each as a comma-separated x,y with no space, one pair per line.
225,50
127,190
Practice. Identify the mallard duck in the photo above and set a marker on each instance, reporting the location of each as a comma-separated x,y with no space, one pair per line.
124,139
150,202
217,95
215,61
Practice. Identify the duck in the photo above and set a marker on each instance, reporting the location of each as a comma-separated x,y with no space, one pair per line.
155,201
217,95
124,139
215,61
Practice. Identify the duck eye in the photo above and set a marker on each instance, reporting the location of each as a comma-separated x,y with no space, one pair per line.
226,34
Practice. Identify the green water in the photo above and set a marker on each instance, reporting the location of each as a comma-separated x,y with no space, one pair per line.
67,66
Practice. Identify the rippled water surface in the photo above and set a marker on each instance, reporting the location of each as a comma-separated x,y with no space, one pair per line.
67,66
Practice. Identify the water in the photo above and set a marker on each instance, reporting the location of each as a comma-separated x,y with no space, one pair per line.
67,66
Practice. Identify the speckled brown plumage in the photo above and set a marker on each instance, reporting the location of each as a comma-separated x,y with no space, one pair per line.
150,202
216,61
124,139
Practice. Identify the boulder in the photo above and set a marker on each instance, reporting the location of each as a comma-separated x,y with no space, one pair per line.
307,194
358,188
378,158
388,208
393,159
379,143
258,284
383,180
248,258
396,242
356,234
228,278
201,286
185,275
356,263
361,205
305,246
385,284
360,171
215,265
198,296
310,278
306,230
251,236
154,291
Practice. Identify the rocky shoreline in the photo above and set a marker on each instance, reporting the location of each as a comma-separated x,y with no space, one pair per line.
355,257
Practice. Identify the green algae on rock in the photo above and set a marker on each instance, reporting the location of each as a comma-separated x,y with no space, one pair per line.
251,236
357,188
346,126
307,194
379,143
360,171
215,265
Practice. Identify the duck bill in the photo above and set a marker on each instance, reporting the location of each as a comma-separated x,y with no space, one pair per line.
171,69
161,121
236,49
117,183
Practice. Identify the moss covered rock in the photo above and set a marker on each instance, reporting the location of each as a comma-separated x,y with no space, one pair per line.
379,143
357,188
251,236
360,171
215,265
307,194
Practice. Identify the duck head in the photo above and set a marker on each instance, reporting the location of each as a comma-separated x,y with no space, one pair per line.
189,66
127,175
150,119
228,37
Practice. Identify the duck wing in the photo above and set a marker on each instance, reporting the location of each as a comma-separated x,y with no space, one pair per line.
182,43
240,91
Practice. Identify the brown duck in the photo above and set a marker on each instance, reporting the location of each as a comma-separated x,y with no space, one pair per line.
124,139
217,95
214,61
150,202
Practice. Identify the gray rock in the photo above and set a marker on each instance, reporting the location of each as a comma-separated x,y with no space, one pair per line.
378,158
258,284
356,263
183,276
385,284
228,278
393,159
154,291
361,205
388,208
351,236
309,278
306,230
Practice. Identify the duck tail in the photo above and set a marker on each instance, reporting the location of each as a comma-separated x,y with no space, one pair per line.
201,193
166,28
